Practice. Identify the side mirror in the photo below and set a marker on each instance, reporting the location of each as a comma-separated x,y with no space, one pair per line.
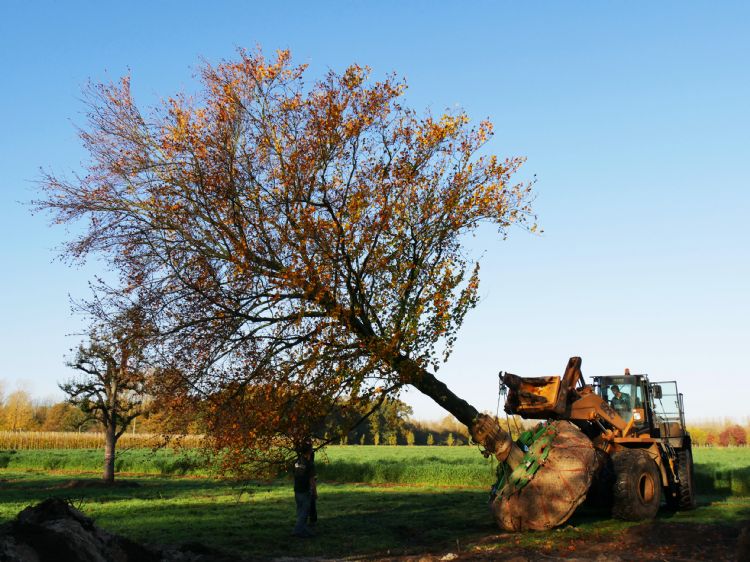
656,391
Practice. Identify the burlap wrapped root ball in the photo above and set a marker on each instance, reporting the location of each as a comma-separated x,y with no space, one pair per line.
556,490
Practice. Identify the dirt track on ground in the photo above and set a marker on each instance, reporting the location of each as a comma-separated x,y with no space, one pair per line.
655,541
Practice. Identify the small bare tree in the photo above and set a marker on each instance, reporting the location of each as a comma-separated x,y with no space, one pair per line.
111,386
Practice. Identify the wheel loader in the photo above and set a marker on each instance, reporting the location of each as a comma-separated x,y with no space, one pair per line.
642,450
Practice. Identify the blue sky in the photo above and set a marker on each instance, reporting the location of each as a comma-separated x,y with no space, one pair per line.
634,117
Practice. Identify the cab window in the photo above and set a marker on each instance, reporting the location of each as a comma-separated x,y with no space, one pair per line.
621,398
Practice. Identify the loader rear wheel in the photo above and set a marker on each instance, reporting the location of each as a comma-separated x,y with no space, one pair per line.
637,489
684,490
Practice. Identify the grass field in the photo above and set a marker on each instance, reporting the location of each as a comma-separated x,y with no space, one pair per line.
373,500
718,471
142,461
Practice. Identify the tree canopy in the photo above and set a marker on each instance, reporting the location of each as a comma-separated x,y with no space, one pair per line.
300,246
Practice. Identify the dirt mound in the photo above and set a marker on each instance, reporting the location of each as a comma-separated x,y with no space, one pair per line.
55,531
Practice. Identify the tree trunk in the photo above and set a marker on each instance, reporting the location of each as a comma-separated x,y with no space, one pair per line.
110,440
484,429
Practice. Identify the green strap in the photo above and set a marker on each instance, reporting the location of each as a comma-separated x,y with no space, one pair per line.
538,444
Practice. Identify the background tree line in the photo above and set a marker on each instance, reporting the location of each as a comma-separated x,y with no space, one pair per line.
19,411
391,424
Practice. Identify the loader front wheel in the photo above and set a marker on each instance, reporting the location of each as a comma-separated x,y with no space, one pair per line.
637,488
683,489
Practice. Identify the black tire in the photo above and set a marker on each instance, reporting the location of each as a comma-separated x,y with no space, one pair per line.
683,490
637,489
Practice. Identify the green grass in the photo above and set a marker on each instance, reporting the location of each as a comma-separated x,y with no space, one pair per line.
258,520
361,520
432,499
438,466
433,466
144,461
724,472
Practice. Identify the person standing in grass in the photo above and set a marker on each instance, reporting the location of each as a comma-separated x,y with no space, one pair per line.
305,489
312,518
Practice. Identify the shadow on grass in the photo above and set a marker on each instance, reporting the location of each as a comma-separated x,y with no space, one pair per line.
356,520
718,480
350,522
361,520
32,487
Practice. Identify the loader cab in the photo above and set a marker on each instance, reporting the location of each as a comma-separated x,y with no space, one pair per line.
655,408
668,414
629,396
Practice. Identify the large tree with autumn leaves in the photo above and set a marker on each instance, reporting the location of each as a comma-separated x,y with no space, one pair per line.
301,246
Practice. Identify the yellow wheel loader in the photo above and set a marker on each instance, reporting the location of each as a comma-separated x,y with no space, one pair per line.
637,428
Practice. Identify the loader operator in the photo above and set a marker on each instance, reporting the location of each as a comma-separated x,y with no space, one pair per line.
620,402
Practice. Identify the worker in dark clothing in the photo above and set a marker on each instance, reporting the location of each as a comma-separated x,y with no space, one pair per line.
312,517
304,489
621,402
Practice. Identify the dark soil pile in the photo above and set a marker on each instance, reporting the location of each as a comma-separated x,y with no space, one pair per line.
56,532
